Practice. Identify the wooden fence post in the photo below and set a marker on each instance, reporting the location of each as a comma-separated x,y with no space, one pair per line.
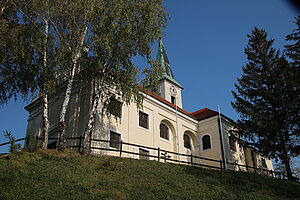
121,146
221,164
80,143
192,162
158,154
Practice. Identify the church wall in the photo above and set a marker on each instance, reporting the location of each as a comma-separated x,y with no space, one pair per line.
158,112
131,132
210,127
232,156
76,116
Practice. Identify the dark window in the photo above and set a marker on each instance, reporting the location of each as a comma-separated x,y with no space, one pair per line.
173,100
115,107
164,131
187,141
206,142
143,120
232,143
263,163
144,154
115,139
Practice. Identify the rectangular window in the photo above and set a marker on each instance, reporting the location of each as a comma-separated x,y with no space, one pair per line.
115,139
173,100
232,143
115,108
144,154
143,120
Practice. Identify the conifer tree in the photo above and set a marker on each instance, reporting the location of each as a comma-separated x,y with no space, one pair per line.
293,50
266,100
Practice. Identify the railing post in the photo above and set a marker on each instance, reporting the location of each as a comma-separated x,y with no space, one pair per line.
247,168
272,173
221,165
192,162
158,154
121,146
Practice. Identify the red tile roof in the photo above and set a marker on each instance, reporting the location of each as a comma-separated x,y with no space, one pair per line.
204,113
163,100
199,115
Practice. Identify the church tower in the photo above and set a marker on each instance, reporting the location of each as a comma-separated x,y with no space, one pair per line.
169,88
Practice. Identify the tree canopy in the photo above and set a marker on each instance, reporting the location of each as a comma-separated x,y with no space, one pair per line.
88,39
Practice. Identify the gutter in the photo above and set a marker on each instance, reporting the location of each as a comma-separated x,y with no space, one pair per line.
221,138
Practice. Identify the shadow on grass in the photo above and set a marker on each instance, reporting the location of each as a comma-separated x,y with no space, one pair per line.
241,183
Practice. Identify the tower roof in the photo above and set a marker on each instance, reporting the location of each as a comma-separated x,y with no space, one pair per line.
163,60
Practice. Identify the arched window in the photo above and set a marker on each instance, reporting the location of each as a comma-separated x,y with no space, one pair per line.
206,142
187,141
164,131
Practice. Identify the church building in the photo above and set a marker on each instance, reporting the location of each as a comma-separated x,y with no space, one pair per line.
160,130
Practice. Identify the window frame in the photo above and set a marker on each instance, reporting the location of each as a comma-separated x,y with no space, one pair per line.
173,99
111,144
145,156
148,120
121,109
190,141
210,142
168,128
232,143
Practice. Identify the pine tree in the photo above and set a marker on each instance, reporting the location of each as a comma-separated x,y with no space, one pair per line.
267,102
293,50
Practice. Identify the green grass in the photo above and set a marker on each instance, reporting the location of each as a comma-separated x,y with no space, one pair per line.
54,175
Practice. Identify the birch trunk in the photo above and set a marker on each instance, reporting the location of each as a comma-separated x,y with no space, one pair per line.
88,130
45,122
45,133
62,117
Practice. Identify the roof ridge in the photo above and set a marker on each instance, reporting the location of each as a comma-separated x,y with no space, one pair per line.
203,109
164,100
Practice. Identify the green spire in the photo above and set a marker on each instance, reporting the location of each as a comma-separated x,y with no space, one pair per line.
162,58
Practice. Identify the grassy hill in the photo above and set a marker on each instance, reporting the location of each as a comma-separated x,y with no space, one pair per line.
54,175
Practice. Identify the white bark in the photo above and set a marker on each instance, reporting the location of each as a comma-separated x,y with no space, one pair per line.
45,122
62,117
88,130
45,134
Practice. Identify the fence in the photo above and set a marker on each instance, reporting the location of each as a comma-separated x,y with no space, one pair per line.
160,155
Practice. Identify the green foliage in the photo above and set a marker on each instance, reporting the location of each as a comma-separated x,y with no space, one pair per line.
32,143
293,50
267,98
92,177
13,146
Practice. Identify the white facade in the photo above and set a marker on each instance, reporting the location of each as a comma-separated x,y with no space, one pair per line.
164,125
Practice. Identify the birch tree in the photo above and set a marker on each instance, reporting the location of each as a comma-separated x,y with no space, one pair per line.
124,30
93,39
26,69
109,33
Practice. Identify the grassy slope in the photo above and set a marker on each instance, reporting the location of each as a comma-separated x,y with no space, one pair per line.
53,175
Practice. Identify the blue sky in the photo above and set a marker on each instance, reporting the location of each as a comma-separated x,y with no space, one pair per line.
205,43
